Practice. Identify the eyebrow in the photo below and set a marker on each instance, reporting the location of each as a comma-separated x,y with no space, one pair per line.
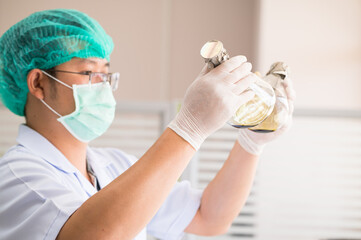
85,60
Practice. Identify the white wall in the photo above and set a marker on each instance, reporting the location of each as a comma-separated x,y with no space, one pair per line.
195,22
321,41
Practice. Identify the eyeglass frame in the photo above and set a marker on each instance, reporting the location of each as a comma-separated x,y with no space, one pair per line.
90,74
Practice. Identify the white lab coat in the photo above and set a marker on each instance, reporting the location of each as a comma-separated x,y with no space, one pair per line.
40,189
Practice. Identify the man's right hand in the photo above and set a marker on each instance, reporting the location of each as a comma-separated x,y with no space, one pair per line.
212,99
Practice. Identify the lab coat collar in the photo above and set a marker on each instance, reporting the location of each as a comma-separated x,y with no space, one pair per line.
40,146
99,165
94,159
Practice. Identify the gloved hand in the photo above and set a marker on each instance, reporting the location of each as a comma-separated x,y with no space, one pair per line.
212,99
254,142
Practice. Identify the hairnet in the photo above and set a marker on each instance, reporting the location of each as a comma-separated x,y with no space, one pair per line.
43,40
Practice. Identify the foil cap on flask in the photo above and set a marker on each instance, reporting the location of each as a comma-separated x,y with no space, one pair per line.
214,53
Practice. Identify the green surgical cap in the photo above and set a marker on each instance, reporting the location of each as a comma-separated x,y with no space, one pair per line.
44,40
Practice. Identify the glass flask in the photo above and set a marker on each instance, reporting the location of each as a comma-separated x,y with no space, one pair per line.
278,72
254,111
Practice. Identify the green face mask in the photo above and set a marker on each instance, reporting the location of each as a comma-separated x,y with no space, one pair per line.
94,110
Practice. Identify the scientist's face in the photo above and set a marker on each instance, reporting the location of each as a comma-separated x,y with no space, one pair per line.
61,97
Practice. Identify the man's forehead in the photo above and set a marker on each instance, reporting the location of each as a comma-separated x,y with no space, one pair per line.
92,61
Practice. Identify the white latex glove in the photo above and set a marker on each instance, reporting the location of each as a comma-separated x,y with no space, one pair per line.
254,142
212,99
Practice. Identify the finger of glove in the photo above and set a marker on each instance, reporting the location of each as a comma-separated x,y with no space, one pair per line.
231,64
291,107
288,85
291,94
243,84
286,126
238,73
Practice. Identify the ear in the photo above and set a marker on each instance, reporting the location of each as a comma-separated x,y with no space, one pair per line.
36,81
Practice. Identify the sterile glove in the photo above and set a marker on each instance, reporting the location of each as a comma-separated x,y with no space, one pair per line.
254,142
212,99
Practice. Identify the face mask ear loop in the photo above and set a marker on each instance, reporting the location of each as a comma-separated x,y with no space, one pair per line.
50,107
66,85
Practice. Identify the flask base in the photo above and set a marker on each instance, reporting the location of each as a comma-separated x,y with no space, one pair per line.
262,130
242,126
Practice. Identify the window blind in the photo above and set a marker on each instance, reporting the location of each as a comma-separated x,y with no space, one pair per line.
308,183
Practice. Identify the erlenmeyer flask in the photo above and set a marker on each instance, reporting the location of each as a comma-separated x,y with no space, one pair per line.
254,111
278,72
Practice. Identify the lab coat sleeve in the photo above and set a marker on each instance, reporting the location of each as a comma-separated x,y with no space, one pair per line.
176,212
35,204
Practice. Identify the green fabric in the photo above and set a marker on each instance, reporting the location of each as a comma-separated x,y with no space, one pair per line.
44,40
94,111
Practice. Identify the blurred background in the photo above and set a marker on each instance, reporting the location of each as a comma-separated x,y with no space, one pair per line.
308,184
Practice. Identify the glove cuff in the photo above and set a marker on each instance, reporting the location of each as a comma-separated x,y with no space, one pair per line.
248,144
185,125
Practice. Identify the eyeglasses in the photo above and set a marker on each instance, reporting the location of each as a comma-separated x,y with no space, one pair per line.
97,77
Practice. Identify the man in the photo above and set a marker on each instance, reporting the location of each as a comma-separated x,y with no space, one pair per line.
54,71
